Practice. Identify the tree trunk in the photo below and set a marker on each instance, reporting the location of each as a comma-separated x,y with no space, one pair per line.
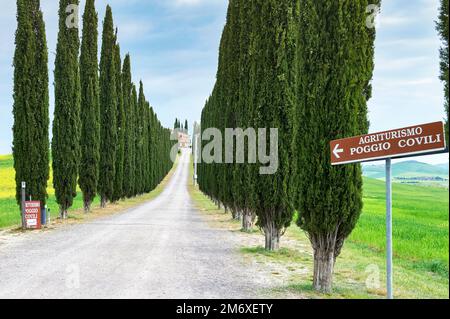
323,270
103,202
63,213
272,234
324,246
247,220
236,214
87,206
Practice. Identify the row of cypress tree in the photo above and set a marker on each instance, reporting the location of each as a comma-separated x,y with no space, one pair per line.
106,136
303,67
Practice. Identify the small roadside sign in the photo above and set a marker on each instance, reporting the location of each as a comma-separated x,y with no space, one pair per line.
33,214
404,142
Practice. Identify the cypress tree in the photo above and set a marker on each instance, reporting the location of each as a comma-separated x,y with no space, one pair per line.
140,141
31,100
108,111
128,105
120,151
154,148
274,100
243,191
442,28
151,150
332,92
186,127
146,162
66,124
90,108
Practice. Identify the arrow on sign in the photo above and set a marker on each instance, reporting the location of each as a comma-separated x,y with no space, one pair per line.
337,151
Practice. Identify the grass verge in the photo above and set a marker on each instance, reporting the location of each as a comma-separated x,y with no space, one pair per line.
360,270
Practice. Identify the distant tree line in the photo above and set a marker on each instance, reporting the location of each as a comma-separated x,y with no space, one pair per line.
180,127
106,137
304,67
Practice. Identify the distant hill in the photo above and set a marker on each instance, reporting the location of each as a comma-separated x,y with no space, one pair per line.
407,169
443,166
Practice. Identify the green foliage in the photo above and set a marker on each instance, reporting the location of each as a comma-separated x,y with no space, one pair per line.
31,100
104,135
120,146
275,100
90,107
108,110
442,28
332,105
255,88
280,66
66,124
140,154
129,110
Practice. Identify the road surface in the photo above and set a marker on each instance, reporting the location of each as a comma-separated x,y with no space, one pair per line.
161,249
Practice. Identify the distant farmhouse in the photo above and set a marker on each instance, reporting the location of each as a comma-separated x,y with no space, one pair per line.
184,140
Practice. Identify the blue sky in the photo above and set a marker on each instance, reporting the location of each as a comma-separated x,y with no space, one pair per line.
174,50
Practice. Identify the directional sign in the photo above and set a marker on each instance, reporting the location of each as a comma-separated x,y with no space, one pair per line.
33,214
410,141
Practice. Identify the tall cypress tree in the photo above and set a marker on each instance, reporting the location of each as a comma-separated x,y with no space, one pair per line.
66,124
332,92
275,99
108,111
128,106
442,27
152,149
30,109
90,107
120,151
139,179
147,159
243,191
186,127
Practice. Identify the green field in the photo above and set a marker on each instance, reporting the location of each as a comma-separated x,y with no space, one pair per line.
9,210
420,224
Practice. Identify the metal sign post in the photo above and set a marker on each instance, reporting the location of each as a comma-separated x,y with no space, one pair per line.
22,211
389,275
425,139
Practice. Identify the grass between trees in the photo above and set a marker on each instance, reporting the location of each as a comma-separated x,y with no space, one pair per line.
10,212
421,247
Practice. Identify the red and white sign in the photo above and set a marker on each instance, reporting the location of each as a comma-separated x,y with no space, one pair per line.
33,214
410,141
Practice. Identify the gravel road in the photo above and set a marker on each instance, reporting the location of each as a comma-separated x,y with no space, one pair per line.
161,249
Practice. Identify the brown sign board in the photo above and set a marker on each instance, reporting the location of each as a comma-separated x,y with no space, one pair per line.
409,141
33,214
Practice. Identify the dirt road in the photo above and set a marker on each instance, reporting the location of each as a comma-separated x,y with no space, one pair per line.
162,249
